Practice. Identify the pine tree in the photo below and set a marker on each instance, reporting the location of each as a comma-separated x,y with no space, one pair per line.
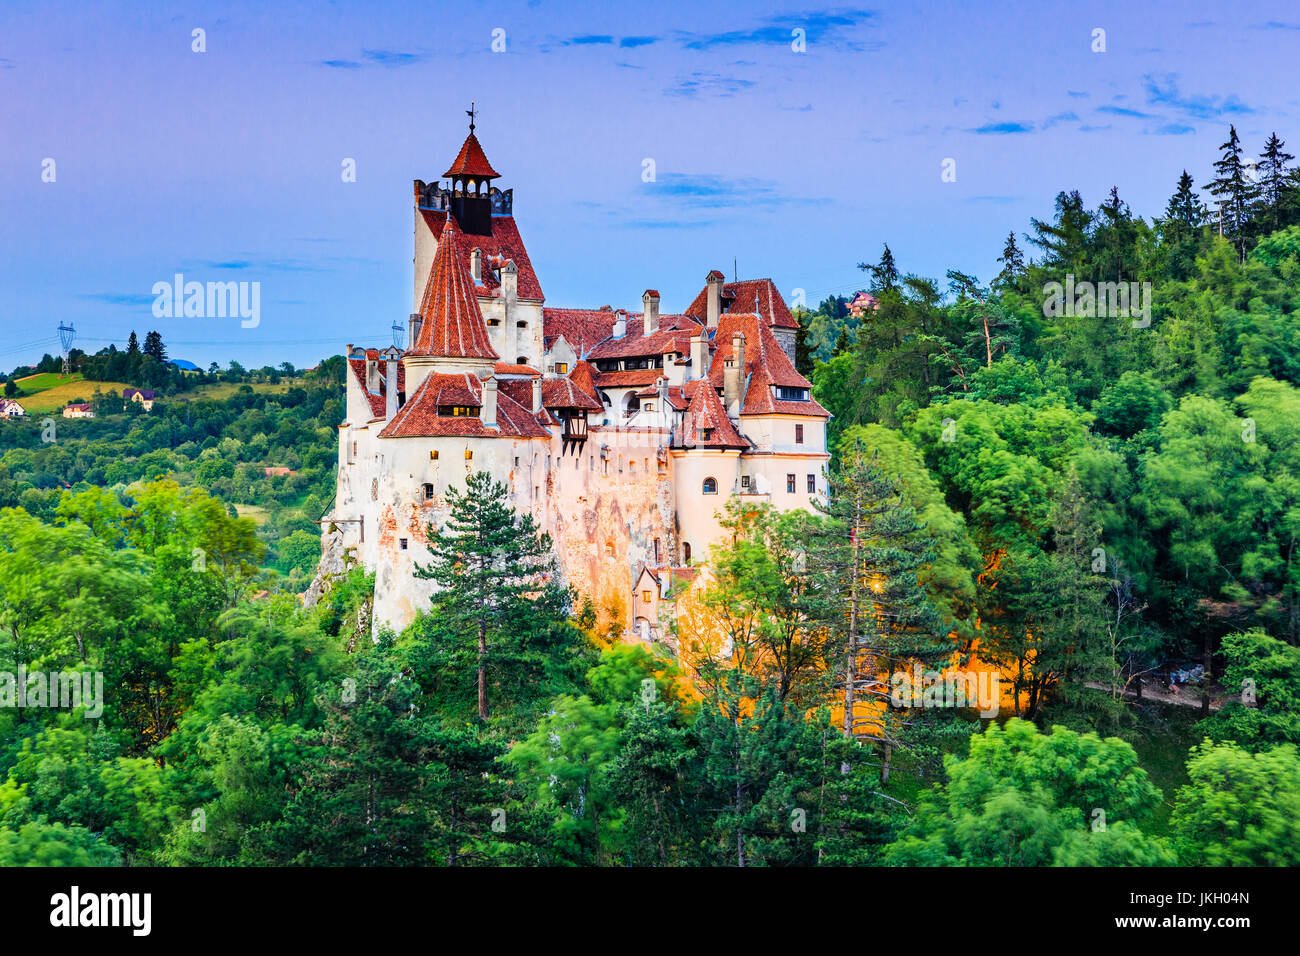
1065,240
132,345
1276,190
1184,211
884,275
153,345
803,353
500,613
1234,191
1013,263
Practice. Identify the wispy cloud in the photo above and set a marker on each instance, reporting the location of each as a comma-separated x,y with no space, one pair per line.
128,299
630,42
1174,129
386,58
1002,129
1162,90
1077,93
1067,117
830,27
703,82
1278,25
1123,111
590,39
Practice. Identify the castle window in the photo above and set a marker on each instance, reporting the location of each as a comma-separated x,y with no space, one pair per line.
798,434
789,484
686,552
469,455
791,394
457,411
706,434
561,368
609,547
494,322
645,596
711,486
521,325
631,466
812,484
744,482
521,360
428,491
402,543
433,455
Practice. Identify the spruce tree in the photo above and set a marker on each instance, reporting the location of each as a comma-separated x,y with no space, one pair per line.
1013,263
1234,191
884,275
1184,211
499,616
1276,189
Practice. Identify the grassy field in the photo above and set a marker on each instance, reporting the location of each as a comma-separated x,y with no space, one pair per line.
39,383
52,399
222,390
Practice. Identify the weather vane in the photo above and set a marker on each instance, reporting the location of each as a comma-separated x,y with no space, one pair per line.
471,113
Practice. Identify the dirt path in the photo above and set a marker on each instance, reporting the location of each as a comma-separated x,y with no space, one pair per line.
1185,697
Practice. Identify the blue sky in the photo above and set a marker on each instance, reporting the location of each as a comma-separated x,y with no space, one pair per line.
225,164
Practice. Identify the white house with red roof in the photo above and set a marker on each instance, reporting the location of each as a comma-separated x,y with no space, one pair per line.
623,433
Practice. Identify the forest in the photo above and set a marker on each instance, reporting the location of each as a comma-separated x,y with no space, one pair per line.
1101,503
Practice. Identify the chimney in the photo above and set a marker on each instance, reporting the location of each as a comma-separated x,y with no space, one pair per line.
372,374
663,397
650,312
490,403
537,395
699,357
509,282
509,295
620,324
476,265
391,355
416,321
732,374
715,298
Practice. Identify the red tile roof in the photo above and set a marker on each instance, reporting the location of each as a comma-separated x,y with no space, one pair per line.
471,160
674,335
636,377
766,365
581,328
560,392
377,400
706,412
759,296
504,243
505,368
453,323
584,376
419,417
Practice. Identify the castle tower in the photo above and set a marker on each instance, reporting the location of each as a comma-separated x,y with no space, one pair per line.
471,178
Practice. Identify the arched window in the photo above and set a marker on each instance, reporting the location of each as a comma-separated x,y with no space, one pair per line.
521,324
428,491
521,360
710,486
686,552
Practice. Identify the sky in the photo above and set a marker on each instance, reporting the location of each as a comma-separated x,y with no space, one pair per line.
786,140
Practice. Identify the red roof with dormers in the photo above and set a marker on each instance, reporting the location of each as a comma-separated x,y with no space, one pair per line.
419,417
584,376
453,323
759,296
504,244
766,365
471,161
706,412
674,335
377,400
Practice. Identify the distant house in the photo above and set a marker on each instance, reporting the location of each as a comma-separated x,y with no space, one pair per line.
11,409
142,395
862,303
276,471
78,411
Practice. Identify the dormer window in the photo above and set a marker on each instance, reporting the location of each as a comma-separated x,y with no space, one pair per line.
457,411
706,434
786,394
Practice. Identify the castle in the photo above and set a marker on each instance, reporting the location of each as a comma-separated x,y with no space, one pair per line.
622,433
